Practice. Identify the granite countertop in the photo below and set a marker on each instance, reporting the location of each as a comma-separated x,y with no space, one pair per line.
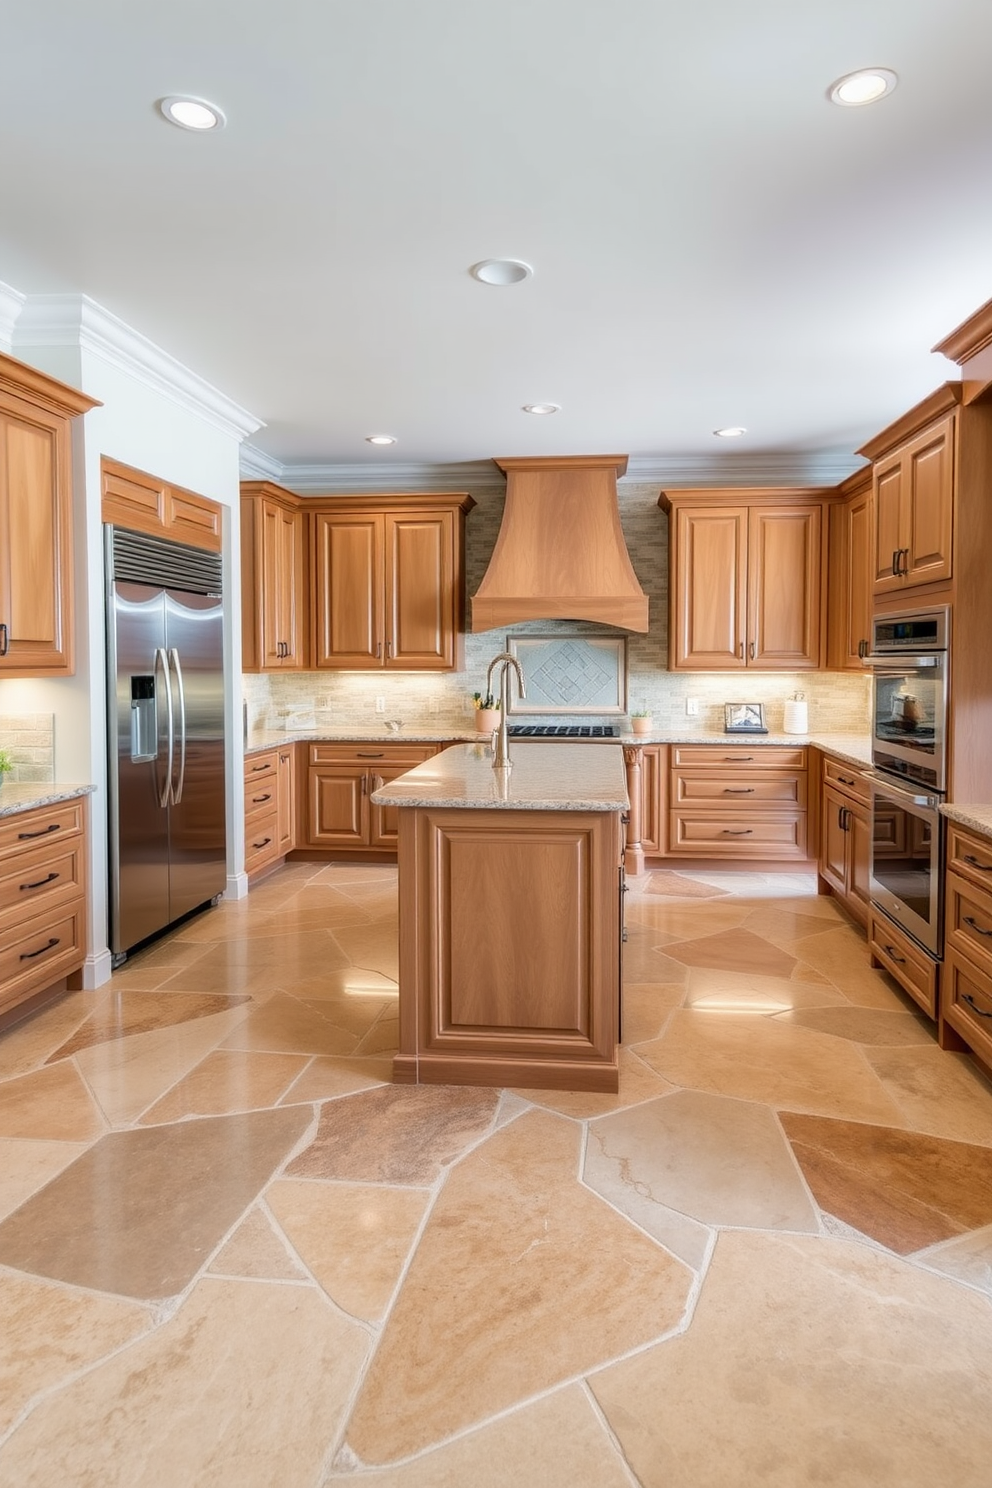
544,777
18,796
854,749
977,818
410,733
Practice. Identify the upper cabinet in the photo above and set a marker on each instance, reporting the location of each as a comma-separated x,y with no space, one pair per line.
36,621
850,573
273,610
143,503
388,582
746,587
913,478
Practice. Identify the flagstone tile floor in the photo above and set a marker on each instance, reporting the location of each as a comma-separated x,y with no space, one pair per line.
233,1253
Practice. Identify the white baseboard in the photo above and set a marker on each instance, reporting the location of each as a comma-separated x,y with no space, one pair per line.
237,886
96,970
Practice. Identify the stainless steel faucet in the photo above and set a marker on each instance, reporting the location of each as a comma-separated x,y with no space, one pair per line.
501,738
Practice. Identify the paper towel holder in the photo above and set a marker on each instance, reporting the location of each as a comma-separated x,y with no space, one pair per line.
796,719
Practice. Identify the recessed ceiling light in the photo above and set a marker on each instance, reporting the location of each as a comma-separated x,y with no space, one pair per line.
380,439
501,271
866,86
734,432
192,113
542,408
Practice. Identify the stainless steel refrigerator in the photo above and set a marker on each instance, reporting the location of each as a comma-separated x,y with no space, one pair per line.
165,643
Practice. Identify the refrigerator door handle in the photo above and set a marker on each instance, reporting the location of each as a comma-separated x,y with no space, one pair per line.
161,655
177,793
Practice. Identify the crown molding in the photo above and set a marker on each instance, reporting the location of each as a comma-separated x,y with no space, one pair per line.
77,320
11,305
797,468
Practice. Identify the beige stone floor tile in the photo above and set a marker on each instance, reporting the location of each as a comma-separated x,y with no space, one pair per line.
727,992
638,1082
28,1044
255,1250
642,963
290,955
811,1362
124,1014
761,1059
399,1134
51,1104
126,1076
645,1007
354,1239
328,1077
558,1442
968,1258
730,950
26,1166
374,947
719,1161
791,930
139,1213
809,905
937,1092
685,921
383,1037
228,1081
354,984
285,1026
677,886
215,972
169,951
522,1280
49,1333
342,874
511,1105
266,1373
864,1025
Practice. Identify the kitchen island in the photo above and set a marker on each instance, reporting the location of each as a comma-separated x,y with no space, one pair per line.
510,907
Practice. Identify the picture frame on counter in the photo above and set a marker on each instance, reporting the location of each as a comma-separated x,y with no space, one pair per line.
744,718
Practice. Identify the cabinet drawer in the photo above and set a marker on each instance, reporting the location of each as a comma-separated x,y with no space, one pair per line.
39,951
904,959
969,921
261,796
970,856
260,766
761,756
966,1003
741,788
261,841
40,880
761,834
846,778
370,753
50,824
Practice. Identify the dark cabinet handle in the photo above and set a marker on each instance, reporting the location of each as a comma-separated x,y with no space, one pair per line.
256,768
891,951
742,651
738,759
27,836
370,754
41,882
862,650
3,640
738,790
972,1003
750,650
30,955
389,649
905,566
264,843
984,867
257,800
895,562
378,650
970,920
741,832
844,780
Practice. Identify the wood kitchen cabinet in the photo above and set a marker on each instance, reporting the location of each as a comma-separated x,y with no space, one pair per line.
141,502
913,498
845,837
849,589
388,582
734,802
746,583
273,608
966,983
340,782
42,900
36,619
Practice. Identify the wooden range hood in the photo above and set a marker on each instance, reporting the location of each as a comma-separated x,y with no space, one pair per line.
560,554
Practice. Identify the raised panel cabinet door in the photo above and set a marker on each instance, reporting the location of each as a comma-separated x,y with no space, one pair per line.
282,568
859,877
784,587
421,603
834,849
654,778
35,541
338,806
857,609
348,584
286,790
929,476
890,523
709,602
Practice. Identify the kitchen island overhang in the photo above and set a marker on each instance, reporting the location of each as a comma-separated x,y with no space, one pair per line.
510,917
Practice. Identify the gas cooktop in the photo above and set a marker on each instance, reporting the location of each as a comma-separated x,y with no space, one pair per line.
563,731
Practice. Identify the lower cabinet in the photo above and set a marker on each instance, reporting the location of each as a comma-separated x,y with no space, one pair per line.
738,803
340,782
899,954
42,899
262,844
966,991
845,837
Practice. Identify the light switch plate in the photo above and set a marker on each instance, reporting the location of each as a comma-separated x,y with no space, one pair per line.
380,705
691,707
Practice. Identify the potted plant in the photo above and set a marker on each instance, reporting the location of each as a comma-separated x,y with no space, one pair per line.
486,712
641,721
6,764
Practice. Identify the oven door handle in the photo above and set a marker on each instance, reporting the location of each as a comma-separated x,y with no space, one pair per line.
899,665
897,794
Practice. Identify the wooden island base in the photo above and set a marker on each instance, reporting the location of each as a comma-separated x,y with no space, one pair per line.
510,930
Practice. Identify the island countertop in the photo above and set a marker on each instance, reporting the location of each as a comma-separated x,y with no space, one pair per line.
544,777
27,795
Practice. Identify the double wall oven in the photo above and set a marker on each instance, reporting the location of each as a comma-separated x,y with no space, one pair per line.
909,661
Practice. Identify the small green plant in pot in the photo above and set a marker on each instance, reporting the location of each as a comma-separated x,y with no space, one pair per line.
6,764
486,712
641,721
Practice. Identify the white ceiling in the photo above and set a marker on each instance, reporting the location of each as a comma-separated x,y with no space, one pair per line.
713,242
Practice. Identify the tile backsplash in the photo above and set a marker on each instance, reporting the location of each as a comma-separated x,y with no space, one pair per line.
838,701
30,738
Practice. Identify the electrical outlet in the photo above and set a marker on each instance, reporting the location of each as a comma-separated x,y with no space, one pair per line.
433,703
380,705
691,707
